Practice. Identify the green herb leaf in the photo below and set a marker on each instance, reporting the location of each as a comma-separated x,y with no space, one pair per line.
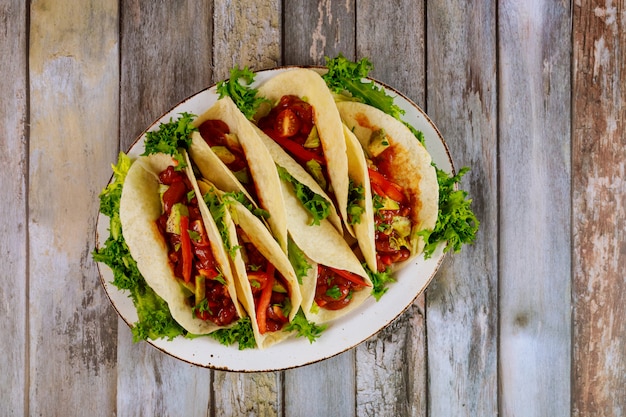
241,333
298,260
304,328
239,90
315,204
380,280
218,212
456,223
356,195
170,137
334,292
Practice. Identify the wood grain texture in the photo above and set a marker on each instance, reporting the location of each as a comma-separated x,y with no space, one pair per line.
387,383
392,35
246,34
322,389
73,90
315,30
165,57
599,204
462,300
13,222
535,260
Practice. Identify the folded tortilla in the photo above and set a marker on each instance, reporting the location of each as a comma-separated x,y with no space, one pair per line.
412,169
238,215
140,207
262,169
309,86
322,244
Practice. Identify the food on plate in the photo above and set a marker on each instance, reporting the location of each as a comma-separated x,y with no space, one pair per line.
266,282
304,122
228,152
176,245
388,160
284,206
334,282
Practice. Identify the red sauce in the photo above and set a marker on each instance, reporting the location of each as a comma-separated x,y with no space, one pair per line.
221,309
386,253
262,274
333,292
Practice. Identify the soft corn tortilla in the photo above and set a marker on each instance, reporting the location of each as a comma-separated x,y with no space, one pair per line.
309,85
262,169
262,239
140,207
322,244
412,168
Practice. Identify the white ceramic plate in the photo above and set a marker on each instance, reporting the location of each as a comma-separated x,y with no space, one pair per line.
341,335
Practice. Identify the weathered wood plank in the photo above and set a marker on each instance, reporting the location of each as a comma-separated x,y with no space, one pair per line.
392,35
391,367
166,55
599,207
13,222
322,389
535,208
246,34
314,30
462,301
74,103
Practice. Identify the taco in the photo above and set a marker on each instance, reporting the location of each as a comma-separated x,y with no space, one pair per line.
335,282
398,171
176,245
266,282
306,124
228,152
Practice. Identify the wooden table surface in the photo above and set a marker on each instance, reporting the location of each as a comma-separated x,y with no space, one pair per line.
528,321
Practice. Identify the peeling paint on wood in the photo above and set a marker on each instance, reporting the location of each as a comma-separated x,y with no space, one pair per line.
599,204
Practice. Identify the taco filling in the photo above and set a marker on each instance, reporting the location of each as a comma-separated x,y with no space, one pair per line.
189,250
216,133
272,302
335,287
291,124
392,213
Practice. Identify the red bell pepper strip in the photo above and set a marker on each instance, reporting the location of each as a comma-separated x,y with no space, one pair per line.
185,246
264,300
298,151
391,189
354,278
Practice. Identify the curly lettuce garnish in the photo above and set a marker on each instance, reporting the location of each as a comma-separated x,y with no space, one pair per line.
304,328
170,137
239,90
456,223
